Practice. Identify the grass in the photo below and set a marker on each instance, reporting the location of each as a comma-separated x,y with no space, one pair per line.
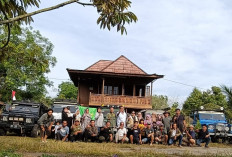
24,145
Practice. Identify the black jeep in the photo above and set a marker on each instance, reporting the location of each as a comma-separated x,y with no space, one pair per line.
21,118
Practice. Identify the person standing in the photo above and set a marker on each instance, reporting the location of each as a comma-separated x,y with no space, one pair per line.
180,120
77,116
45,122
167,125
111,117
121,116
85,119
99,118
139,116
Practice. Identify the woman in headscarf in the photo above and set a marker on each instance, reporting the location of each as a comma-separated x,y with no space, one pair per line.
77,116
147,120
85,119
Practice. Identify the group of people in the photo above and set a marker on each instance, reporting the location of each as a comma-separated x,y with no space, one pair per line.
122,127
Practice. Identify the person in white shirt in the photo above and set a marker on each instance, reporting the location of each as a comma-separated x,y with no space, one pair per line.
99,119
121,134
121,116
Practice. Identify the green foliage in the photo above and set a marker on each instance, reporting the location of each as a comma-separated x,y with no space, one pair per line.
67,90
159,102
210,99
198,125
228,92
173,108
24,63
113,13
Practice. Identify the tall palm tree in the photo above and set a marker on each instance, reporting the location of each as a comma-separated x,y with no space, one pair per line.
228,92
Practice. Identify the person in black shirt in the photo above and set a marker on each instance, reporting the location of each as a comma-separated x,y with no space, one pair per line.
135,137
106,133
179,120
203,136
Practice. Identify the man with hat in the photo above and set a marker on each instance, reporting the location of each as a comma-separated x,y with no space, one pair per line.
149,133
76,131
167,124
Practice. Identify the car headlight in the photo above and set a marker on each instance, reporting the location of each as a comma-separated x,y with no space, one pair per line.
11,118
219,128
16,118
5,118
28,120
227,128
211,127
21,119
231,128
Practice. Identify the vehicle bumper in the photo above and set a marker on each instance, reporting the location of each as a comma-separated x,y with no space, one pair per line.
221,134
16,127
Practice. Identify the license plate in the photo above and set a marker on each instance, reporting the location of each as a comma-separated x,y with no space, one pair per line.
15,123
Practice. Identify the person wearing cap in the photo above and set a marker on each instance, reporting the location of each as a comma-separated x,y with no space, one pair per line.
159,135
76,131
191,135
149,134
167,125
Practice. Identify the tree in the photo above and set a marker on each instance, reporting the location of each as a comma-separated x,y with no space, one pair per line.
173,108
67,90
113,13
228,92
159,102
24,63
210,99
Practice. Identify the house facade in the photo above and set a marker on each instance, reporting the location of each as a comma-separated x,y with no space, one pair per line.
119,82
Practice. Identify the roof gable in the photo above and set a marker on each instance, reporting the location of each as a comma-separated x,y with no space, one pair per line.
123,65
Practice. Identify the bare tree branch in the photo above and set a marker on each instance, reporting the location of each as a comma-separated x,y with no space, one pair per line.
43,10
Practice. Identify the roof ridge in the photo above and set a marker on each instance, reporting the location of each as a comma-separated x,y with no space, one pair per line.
128,60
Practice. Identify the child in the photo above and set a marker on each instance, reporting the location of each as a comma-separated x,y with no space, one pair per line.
142,128
56,128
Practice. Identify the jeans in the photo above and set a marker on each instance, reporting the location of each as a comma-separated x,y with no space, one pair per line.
206,141
171,140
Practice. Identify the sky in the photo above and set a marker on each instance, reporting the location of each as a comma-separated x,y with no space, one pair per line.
188,41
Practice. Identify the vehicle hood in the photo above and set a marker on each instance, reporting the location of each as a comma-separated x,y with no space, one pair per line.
212,121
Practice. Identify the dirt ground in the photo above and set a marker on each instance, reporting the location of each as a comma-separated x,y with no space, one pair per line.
169,151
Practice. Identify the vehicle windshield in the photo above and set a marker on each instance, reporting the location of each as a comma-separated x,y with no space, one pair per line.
24,108
212,116
58,109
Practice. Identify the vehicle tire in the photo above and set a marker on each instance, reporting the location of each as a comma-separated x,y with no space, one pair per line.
2,132
214,139
35,131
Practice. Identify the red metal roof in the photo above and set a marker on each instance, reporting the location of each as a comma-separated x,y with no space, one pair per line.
120,65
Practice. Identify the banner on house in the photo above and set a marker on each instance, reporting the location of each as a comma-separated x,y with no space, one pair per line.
92,111
13,95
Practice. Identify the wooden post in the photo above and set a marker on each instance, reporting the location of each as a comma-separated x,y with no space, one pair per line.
151,87
103,85
134,90
78,93
123,89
